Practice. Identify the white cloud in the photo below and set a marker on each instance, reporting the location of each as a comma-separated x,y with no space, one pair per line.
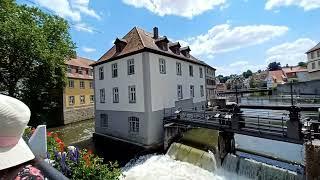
224,38
184,8
305,4
88,50
290,52
239,67
69,8
84,27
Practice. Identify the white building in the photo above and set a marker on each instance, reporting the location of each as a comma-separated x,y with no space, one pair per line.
140,76
314,62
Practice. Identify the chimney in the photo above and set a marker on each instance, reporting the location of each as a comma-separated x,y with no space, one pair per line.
155,33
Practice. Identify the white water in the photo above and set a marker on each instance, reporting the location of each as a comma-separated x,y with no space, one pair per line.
162,167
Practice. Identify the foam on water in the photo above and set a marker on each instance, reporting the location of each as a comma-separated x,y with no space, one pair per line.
162,167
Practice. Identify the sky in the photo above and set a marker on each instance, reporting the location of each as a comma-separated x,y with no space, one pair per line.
230,35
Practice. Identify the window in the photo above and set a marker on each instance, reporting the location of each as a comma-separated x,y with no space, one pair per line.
191,70
71,100
103,120
311,55
313,65
115,95
318,64
91,85
132,94
318,53
102,96
69,69
201,72
87,71
82,99
178,67
201,91
202,107
91,98
179,92
80,70
71,83
114,70
90,72
82,85
101,74
162,66
133,124
191,91
130,66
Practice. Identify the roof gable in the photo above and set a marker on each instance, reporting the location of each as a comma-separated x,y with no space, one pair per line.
314,48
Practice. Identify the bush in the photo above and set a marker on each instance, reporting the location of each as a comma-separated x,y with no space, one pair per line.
75,163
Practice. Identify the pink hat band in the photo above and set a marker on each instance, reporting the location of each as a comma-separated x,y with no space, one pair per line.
7,141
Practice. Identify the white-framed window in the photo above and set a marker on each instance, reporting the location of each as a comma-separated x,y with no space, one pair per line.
201,91
69,69
80,70
191,91
71,100
104,120
91,85
318,64
132,94
162,66
313,65
102,96
101,73
71,83
91,98
130,63
311,55
178,68
82,99
90,72
82,84
191,70
115,92
179,92
318,53
133,124
200,72
114,70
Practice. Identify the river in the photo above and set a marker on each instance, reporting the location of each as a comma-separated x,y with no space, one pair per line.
157,166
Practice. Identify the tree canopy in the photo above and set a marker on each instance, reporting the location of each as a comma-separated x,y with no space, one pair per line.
273,66
302,64
247,74
34,46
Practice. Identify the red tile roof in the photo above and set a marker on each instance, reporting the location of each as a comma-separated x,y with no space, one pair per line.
278,75
82,63
139,40
294,69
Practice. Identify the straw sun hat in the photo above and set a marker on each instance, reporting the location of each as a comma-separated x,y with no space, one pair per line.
14,117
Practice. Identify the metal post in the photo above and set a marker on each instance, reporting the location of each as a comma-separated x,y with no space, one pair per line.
282,126
258,124
237,94
291,93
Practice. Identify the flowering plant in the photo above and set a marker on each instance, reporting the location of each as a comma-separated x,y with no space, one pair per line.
75,163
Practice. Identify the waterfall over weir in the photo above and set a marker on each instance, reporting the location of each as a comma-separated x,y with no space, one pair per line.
183,162
257,170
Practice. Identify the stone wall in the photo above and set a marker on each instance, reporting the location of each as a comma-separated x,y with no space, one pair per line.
72,115
300,88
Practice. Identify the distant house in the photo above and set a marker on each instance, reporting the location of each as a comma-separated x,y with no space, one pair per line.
210,82
314,62
137,79
78,95
296,73
275,77
221,87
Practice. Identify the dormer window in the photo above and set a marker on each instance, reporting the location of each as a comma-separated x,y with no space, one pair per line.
185,51
120,44
162,43
175,47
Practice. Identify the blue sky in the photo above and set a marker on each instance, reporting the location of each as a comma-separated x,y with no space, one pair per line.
230,35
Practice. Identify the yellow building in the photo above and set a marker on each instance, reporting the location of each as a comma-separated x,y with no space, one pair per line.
78,96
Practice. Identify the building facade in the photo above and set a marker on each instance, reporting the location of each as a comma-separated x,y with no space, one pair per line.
314,62
78,95
210,83
137,79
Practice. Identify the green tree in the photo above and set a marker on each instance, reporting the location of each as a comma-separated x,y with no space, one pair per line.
302,64
273,66
247,74
33,48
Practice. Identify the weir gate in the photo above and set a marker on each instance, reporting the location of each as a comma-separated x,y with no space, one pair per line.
284,123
